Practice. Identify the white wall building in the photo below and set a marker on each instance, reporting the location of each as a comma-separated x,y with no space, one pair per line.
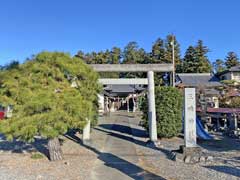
231,74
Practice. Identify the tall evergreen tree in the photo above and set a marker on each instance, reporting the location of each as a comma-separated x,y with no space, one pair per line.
132,54
115,55
14,64
87,58
218,66
189,60
168,53
80,54
157,55
196,60
158,51
204,65
231,60
93,58
101,58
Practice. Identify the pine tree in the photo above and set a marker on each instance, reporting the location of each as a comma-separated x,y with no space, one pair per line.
218,66
12,65
204,65
44,99
189,60
157,55
115,55
87,58
168,53
158,51
80,54
132,54
231,60
196,60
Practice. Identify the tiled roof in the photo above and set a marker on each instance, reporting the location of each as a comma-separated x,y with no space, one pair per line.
198,79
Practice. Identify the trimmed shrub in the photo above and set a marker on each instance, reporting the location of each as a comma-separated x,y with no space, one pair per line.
169,102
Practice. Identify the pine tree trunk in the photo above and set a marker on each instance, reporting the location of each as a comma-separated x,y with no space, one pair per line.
55,151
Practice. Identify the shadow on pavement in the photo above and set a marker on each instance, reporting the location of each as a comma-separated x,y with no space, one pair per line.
125,129
16,146
166,152
222,144
120,164
234,171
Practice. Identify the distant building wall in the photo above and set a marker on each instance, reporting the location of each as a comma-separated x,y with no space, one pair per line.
231,76
236,76
226,76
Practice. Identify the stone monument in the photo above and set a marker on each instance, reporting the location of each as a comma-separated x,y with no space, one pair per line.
190,137
190,152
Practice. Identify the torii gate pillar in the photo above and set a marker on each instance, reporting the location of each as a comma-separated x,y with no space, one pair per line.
152,123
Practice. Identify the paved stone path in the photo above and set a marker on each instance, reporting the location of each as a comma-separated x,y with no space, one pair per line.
118,159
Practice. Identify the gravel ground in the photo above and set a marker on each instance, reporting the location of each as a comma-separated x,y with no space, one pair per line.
79,160
225,164
76,165
159,163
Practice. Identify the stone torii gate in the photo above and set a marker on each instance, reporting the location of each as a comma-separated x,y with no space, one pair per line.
150,69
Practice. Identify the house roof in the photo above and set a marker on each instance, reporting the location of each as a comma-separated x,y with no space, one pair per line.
198,80
233,93
211,92
232,69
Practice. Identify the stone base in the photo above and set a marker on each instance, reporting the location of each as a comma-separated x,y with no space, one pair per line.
154,144
87,142
190,155
190,151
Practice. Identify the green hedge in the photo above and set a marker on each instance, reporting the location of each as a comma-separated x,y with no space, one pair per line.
169,103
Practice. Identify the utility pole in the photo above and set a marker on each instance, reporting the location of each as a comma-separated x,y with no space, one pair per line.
173,62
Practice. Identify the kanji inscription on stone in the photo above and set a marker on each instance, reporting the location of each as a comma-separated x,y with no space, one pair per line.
190,117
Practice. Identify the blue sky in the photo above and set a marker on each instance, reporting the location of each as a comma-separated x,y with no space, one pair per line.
30,26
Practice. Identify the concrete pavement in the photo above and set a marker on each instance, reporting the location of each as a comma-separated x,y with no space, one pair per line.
118,159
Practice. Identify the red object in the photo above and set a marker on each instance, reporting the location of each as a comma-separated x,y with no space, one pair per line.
1,115
221,110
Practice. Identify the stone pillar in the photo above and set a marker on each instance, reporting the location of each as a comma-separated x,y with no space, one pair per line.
134,103
127,104
190,137
107,104
86,131
137,103
118,105
151,107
